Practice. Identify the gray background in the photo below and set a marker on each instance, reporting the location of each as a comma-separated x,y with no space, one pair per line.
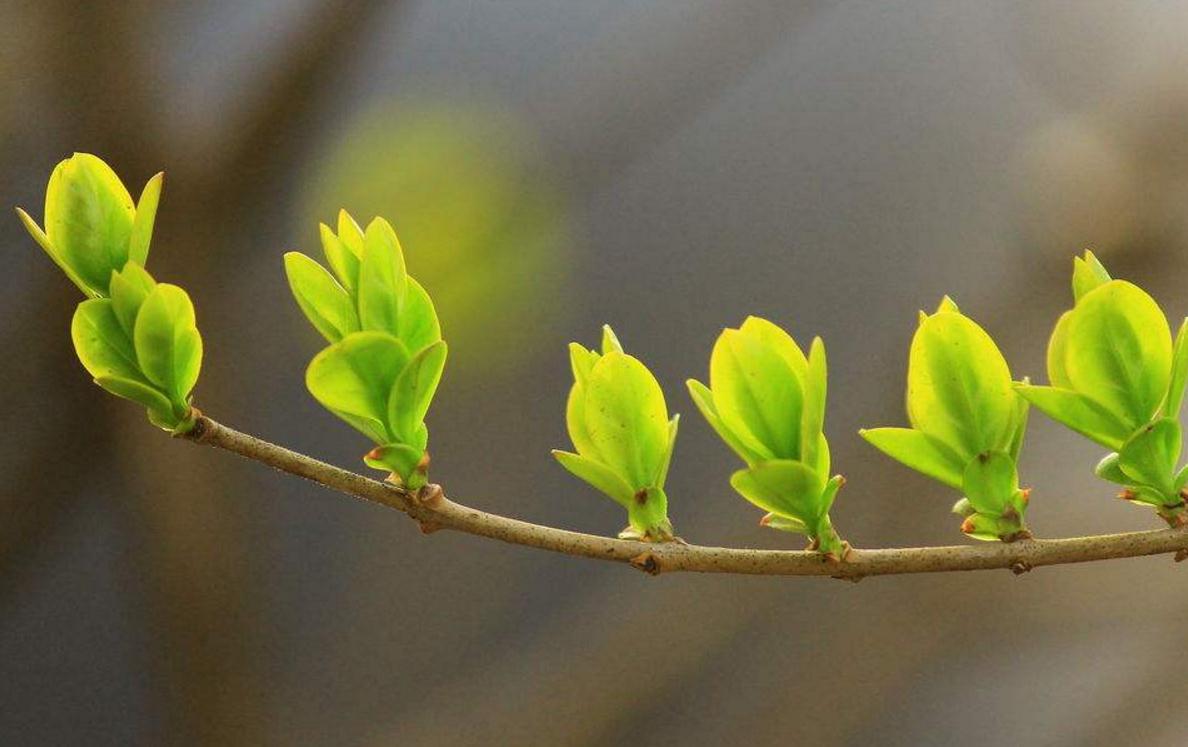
668,167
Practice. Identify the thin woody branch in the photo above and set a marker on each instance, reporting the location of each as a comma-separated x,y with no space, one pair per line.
432,510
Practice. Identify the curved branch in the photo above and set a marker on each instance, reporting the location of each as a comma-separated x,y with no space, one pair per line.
432,510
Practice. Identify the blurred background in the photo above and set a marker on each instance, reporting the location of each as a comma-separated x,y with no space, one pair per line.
668,167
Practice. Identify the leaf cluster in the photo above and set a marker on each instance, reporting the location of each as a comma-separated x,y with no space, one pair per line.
967,422
766,400
386,355
138,338
1117,378
618,422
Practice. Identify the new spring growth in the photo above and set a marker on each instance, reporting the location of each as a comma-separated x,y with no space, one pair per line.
766,400
386,355
967,423
1117,378
136,337
618,422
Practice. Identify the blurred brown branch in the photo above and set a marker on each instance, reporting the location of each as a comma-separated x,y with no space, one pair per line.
433,511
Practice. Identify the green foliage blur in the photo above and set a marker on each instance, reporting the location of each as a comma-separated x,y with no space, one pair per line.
485,225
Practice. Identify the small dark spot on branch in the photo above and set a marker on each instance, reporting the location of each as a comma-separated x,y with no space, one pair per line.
647,562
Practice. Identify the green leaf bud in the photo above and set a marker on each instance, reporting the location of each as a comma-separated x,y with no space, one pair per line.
766,400
618,421
1117,377
967,423
92,228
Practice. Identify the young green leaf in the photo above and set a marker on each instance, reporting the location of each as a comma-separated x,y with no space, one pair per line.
813,416
743,444
772,336
161,410
382,279
403,460
1078,412
989,482
666,459
91,226
44,242
413,390
103,347
1109,469
417,324
1019,428
325,303
350,233
88,218
610,342
106,351
1179,374
1088,274
756,392
145,217
168,346
959,386
581,361
1058,351
342,260
129,289
920,452
1119,351
784,487
354,378
626,418
1149,457
597,474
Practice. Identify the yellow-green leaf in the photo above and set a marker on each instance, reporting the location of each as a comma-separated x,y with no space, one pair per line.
168,346
88,218
325,303
597,474
413,391
145,217
129,289
354,379
1078,412
382,279
626,418
785,487
103,347
959,386
756,391
1119,351
743,444
918,451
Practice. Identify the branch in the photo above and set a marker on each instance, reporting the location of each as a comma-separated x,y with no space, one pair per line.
433,511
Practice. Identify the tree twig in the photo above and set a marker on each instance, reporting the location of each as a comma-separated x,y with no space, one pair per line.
433,511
